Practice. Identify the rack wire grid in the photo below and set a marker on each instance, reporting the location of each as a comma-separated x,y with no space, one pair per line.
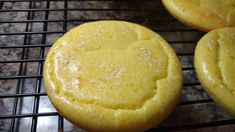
28,29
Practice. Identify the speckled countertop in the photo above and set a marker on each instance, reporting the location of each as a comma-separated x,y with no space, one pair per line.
183,41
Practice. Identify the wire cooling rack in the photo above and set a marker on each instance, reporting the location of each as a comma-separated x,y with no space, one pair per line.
28,28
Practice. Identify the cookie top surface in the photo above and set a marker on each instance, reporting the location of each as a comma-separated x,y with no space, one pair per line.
204,15
215,65
113,66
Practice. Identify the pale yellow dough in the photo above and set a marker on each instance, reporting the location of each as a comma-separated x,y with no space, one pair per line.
204,15
113,76
215,66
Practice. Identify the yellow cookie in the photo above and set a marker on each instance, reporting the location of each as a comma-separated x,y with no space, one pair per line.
204,15
113,76
215,66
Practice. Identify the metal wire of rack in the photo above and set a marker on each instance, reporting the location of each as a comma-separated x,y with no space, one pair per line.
150,13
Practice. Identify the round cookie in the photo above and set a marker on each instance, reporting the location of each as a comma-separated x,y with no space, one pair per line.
215,66
204,15
113,76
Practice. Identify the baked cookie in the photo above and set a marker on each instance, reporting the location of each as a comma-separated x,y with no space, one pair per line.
113,76
204,15
215,66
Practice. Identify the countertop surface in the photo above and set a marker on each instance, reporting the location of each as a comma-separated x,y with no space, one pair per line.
148,13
